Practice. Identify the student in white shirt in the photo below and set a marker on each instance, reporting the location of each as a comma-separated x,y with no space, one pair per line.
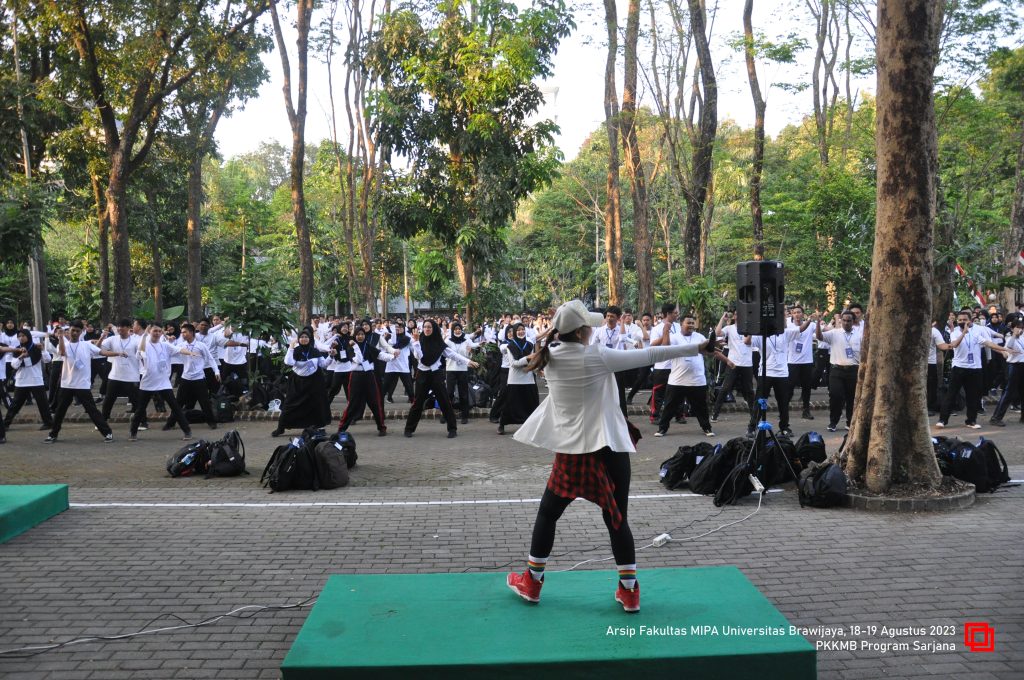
398,368
613,335
800,356
234,367
741,375
522,397
1014,373
934,342
429,349
844,343
192,387
457,375
687,380
27,366
661,370
338,365
499,400
775,375
642,339
155,356
210,335
966,341
581,422
364,388
305,404
123,378
75,380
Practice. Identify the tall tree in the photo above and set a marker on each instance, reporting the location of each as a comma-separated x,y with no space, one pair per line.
889,439
757,162
296,108
702,140
134,58
634,162
823,79
456,98
612,206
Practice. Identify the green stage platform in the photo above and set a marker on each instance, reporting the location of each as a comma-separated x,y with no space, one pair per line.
693,623
23,507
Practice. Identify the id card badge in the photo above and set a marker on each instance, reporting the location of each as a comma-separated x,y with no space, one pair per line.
79,365
970,357
849,352
799,347
162,367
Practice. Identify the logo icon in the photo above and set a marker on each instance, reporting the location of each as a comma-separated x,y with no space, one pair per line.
979,636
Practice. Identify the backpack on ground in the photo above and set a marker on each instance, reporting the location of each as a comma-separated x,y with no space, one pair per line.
983,465
707,477
331,466
290,467
675,472
259,396
224,409
773,462
348,447
227,456
822,485
189,460
195,416
998,472
810,447
479,394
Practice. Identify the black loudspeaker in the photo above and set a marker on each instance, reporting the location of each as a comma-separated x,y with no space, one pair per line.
760,298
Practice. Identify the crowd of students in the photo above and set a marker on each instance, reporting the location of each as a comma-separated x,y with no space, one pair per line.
433,359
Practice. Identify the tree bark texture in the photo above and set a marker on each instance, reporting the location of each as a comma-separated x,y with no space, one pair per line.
103,230
757,164
613,209
889,440
117,218
194,237
703,147
464,269
634,163
1015,236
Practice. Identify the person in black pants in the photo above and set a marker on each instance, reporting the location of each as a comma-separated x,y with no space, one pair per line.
156,381
430,351
27,368
364,388
455,378
76,379
192,387
967,341
1014,373
502,393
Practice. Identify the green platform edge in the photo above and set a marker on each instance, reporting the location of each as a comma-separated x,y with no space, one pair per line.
473,626
24,506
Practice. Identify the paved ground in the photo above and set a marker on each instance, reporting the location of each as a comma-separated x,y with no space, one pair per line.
172,547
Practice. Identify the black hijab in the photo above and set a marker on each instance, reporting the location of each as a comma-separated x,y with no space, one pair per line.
367,347
457,339
401,337
519,350
306,352
431,345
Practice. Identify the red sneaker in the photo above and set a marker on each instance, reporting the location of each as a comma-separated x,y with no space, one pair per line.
629,598
525,586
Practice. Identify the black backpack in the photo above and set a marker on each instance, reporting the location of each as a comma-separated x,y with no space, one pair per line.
224,409
998,472
290,467
708,475
810,447
348,447
822,485
331,466
259,396
195,416
227,456
479,394
675,472
190,459
773,462
983,465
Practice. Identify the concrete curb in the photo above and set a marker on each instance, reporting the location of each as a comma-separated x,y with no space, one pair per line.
958,501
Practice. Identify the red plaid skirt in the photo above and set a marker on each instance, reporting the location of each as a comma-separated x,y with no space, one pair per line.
583,475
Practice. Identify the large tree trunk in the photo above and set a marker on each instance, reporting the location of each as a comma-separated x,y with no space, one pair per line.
104,250
613,209
464,269
757,164
634,164
118,220
158,272
1015,235
889,439
194,240
700,177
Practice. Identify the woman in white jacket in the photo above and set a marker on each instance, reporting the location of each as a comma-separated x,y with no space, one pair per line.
581,421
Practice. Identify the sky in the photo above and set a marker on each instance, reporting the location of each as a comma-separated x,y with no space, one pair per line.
575,94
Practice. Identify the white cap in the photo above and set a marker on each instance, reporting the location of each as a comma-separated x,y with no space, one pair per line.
573,315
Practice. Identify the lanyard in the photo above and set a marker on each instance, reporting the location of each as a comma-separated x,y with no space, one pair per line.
74,351
849,339
966,341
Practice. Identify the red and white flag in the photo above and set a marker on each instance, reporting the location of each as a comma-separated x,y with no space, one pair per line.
1020,258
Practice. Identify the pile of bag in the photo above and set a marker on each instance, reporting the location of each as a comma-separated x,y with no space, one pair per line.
982,465
222,458
311,461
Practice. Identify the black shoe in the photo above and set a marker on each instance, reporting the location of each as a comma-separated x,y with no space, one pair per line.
493,421
807,415
50,439
390,400
997,423
464,421
167,427
276,433
501,429
452,434
213,426
383,432
408,434
3,440
786,432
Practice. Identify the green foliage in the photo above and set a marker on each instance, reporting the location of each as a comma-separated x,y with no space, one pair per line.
147,311
23,212
256,302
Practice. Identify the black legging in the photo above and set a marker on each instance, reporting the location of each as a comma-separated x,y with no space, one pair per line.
168,397
425,382
190,393
800,375
1014,391
842,385
363,390
459,379
782,394
21,395
339,381
970,379
697,396
53,379
119,388
85,397
741,377
391,382
552,506
499,400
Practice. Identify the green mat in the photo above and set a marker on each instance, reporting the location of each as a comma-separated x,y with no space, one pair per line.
701,622
23,507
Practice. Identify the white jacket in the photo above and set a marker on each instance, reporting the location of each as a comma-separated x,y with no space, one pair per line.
581,412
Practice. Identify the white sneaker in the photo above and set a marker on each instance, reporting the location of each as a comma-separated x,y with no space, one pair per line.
940,425
709,433
974,426
659,433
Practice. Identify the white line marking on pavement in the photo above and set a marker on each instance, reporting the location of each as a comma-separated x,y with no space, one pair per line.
334,504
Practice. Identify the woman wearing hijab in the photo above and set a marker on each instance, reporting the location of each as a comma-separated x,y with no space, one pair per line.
521,396
457,372
581,421
306,402
429,349
339,366
27,362
364,387
398,368
499,401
